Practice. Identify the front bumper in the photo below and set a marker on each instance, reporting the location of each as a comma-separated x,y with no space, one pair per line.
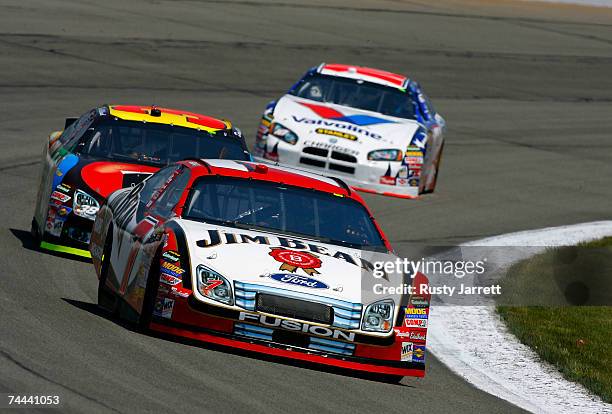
65,232
390,178
188,318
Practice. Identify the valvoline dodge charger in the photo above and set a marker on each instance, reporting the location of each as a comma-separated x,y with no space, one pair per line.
376,130
260,258
113,147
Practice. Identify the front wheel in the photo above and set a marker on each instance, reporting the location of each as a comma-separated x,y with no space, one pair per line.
432,186
35,233
107,299
150,296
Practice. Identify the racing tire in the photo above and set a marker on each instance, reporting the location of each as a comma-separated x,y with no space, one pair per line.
390,379
35,233
150,296
435,179
107,299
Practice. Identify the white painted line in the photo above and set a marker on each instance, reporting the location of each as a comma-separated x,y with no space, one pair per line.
474,343
596,3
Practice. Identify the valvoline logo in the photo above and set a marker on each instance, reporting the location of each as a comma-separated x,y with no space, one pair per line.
330,113
298,280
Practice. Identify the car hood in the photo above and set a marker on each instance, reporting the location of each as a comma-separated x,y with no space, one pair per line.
286,262
104,177
365,130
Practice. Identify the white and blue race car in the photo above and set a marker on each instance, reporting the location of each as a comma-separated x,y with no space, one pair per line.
374,129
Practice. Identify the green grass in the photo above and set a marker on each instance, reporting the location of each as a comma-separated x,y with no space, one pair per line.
572,326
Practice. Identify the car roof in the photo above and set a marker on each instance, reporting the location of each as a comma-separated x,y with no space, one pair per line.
168,116
364,73
271,173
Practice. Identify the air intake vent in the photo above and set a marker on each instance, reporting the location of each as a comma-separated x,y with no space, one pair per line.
295,308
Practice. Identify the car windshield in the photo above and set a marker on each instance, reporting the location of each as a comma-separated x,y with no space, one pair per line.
356,94
158,144
260,205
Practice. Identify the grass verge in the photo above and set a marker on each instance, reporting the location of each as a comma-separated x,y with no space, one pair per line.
572,327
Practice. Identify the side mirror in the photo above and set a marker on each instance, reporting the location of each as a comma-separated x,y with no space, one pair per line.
69,121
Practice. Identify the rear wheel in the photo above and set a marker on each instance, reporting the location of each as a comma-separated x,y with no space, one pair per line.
150,296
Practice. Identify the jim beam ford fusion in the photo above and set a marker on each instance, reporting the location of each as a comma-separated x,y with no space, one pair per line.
374,129
113,147
261,258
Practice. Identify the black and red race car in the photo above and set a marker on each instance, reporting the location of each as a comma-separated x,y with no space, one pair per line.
113,147
259,258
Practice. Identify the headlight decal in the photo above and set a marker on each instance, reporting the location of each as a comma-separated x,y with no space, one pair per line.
84,205
385,155
214,286
378,316
283,133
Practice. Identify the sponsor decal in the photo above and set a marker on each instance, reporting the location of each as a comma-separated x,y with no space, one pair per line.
407,350
415,323
413,160
171,256
418,353
292,260
272,154
331,146
172,268
414,182
298,280
387,180
63,211
416,313
61,197
419,302
330,113
169,279
296,326
418,336
338,125
402,332
183,293
414,153
164,307
334,133
216,238
64,188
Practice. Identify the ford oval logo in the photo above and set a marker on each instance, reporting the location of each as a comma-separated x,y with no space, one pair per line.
299,280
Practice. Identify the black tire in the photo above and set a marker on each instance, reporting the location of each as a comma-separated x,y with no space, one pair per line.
35,232
150,296
435,180
390,379
107,299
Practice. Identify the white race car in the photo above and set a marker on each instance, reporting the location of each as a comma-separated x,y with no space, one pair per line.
374,129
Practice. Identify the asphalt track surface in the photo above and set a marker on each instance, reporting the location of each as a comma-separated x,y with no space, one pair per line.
526,90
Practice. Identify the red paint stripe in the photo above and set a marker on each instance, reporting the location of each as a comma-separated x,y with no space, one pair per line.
367,190
206,121
323,111
283,353
394,78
